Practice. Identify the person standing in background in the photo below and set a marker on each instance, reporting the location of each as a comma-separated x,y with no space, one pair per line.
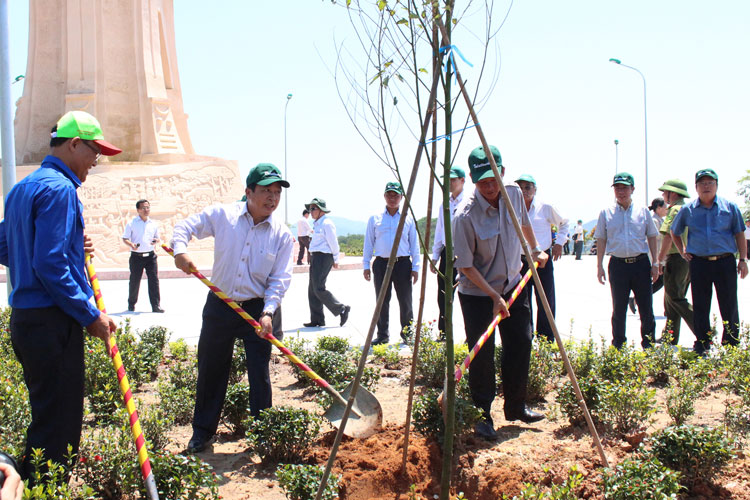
304,233
141,234
578,239
658,210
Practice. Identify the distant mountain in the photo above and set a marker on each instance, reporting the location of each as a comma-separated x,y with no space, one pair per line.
344,227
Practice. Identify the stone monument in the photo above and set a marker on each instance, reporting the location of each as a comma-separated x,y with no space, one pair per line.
117,60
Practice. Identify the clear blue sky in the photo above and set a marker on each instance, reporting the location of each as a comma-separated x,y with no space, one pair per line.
558,106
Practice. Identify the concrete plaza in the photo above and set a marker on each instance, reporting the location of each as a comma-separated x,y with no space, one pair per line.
583,305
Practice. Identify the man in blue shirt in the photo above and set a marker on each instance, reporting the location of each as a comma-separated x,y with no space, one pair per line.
715,233
379,238
42,243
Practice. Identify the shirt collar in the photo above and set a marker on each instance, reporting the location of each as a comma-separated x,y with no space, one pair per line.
483,204
246,212
398,212
59,165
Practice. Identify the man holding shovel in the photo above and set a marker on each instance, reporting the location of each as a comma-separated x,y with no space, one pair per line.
42,243
253,266
488,258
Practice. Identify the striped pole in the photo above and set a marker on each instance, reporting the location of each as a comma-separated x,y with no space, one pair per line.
461,370
127,395
289,354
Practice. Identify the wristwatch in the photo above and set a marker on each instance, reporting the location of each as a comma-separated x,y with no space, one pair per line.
536,249
266,313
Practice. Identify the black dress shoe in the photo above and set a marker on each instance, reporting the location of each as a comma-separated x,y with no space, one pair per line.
157,309
199,444
485,430
527,416
345,314
313,324
131,308
380,340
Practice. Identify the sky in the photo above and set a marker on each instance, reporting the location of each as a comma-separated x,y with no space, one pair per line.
554,111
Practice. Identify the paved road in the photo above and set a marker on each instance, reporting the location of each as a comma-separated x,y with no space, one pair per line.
583,305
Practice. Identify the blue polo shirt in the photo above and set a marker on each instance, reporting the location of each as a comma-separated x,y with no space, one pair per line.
710,230
41,242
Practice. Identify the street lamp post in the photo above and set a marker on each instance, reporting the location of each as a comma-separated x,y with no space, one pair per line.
286,176
617,162
645,119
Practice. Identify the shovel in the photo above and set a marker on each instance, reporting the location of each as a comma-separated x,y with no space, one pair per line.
367,414
461,370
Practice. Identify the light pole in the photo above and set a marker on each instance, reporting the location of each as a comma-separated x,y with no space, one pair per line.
617,168
286,200
645,119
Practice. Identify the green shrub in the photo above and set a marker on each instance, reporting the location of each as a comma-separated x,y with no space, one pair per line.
697,452
543,369
107,460
332,343
735,362
641,478
15,412
431,363
282,434
626,407
681,395
301,482
427,416
179,350
156,423
387,355
182,477
51,480
661,360
566,398
101,387
583,357
151,349
622,365
236,407
337,369
564,491
737,418
177,394
239,362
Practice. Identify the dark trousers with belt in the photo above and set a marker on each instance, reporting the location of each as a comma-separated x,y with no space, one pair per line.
317,295
304,244
441,289
139,262
578,248
676,306
547,277
49,345
624,276
515,334
704,276
221,326
401,280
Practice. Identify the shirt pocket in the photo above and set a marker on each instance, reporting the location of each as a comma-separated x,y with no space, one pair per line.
723,222
263,266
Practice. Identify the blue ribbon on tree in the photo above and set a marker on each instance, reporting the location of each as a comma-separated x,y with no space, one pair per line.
448,136
449,49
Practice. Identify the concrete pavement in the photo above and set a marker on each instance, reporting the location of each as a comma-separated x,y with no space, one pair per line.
583,305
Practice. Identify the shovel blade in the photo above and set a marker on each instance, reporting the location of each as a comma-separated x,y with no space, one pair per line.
366,404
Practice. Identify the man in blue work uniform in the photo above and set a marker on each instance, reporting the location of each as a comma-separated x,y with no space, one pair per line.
42,243
715,233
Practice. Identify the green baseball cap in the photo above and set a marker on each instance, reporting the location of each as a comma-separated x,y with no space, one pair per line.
318,202
623,178
706,172
457,173
526,178
479,163
395,187
264,174
83,125
675,186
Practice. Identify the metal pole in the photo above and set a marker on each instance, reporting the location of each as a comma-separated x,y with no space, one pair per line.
645,121
286,175
617,161
6,114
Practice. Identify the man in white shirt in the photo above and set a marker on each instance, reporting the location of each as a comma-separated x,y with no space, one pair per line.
324,250
253,266
379,238
543,216
457,181
304,232
141,234
628,235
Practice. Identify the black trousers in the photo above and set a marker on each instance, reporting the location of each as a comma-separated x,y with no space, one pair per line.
578,249
624,277
138,262
676,306
304,244
317,295
704,276
401,280
441,290
515,334
547,277
49,345
221,325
